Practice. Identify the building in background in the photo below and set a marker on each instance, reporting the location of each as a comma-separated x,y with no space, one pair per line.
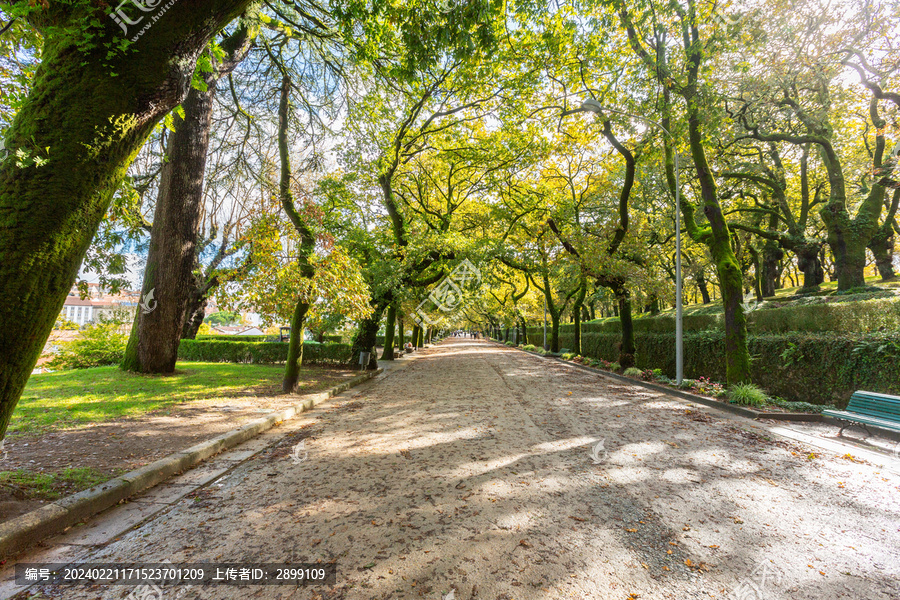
99,305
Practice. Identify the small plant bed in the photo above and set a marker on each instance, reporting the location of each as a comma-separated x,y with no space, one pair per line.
747,395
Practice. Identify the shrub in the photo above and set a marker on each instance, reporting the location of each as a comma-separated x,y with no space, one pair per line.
260,352
98,345
510,344
746,394
529,348
236,338
613,366
632,372
686,384
657,373
567,355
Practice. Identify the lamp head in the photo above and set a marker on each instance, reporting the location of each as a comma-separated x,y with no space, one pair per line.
592,105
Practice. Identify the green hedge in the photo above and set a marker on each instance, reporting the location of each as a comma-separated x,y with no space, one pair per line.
838,314
819,369
260,352
234,338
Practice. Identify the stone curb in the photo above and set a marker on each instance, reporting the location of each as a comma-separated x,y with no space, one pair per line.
738,410
26,530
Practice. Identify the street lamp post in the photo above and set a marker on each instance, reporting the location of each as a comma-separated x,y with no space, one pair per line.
593,106
545,322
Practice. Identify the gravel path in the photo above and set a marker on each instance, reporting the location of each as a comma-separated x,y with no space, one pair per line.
468,474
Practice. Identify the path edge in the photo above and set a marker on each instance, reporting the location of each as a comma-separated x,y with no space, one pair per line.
17,535
737,410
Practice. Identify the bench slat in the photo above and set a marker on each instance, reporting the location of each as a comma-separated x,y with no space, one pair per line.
846,416
879,406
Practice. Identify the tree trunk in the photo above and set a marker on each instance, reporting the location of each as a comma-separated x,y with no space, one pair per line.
771,256
415,335
195,312
627,349
576,313
93,110
808,262
702,286
524,327
400,330
295,348
365,338
153,343
388,353
307,240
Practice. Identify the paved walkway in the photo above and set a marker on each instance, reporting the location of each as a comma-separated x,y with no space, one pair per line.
468,473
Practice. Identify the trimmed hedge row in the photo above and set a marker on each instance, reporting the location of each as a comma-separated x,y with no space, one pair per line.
260,352
818,369
232,338
832,314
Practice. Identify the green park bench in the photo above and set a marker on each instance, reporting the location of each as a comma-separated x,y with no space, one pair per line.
869,408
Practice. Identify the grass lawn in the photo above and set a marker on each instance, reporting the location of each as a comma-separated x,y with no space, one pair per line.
50,486
69,398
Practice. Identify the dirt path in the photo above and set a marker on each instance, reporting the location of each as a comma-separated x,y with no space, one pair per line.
470,470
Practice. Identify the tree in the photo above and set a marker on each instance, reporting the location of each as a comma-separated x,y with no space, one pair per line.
684,79
94,100
153,343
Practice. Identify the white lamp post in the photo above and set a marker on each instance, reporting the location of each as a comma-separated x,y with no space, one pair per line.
593,106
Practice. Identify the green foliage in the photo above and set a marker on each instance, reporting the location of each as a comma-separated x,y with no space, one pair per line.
827,368
237,338
64,324
614,366
747,394
260,352
511,344
567,355
223,317
838,314
98,345
633,372
801,407
51,486
529,347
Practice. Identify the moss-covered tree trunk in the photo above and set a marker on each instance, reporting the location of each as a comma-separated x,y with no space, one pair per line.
400,330
771,257
367,335
882,242
307,240
627,348
390,324
415,335
87,115
576,314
